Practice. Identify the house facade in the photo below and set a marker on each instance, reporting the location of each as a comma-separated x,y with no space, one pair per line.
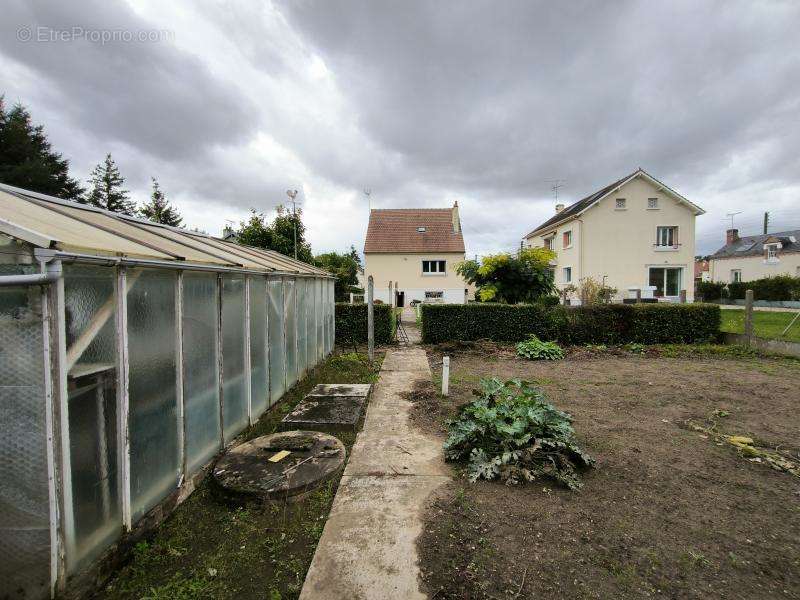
756,256
412,254
635,233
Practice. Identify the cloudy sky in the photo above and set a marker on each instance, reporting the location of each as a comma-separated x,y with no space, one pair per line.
423,103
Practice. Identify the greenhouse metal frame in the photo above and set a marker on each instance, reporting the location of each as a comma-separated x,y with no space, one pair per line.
131,353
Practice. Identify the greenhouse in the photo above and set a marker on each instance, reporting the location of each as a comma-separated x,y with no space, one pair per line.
131,353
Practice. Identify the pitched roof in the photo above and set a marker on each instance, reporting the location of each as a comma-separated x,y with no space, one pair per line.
397,230
753,245
573,210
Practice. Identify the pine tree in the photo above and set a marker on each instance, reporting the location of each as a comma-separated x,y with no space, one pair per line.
159,210
27,159
107,191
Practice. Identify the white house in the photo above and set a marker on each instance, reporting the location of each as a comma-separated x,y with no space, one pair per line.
636,233
756,256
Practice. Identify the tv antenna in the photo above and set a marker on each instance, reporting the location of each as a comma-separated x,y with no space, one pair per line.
731,215
556,185
368,194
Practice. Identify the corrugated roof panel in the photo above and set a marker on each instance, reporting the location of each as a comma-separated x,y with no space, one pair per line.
71,234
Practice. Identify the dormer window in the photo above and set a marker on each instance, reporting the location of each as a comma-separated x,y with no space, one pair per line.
771,252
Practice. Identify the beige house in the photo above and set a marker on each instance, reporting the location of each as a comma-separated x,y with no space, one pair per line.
636,233
756,256
412,254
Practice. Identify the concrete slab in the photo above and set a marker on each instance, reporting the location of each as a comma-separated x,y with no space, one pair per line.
368,547
325,413
340,389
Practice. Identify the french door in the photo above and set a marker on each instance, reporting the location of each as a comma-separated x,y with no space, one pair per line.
667,281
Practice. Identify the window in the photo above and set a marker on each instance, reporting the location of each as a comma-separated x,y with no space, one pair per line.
567,239
567,274
772,252
434,267
421,229
620,203
652,203
667,236
548,243
666,280
433,295
736,275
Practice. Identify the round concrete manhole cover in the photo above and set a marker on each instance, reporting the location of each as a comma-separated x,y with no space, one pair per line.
279,466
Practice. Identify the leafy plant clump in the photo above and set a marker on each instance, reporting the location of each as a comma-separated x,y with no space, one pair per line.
510,432
536,349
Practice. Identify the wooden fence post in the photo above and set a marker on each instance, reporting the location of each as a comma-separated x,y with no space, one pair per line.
748,315
370,319
638,296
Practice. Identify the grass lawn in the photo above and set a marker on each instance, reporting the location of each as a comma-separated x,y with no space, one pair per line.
667,512
207,549
765,324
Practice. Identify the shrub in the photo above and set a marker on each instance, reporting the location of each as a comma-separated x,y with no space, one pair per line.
603,324
511,432
535,349
351,323
779,287
710,290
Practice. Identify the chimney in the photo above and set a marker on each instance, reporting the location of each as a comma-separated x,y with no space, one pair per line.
559,208
456,220
731,236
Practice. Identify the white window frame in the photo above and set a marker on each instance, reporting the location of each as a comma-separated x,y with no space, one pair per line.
568,233
620,204
652,204
564,271
736,276
667,268
547,243
660,239
771,253
434,294
434,266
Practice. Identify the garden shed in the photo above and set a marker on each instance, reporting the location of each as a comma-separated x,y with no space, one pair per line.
131,353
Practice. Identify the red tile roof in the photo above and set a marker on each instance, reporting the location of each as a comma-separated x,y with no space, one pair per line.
396,230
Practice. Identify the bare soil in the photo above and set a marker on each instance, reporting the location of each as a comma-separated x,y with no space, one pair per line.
666,513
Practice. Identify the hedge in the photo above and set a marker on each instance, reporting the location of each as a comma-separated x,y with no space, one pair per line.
351,323
779,287
604,324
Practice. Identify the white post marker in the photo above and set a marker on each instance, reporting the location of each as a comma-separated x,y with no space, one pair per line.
445,376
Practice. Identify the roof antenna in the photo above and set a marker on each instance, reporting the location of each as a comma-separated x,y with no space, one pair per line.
368,193
731,215
557,184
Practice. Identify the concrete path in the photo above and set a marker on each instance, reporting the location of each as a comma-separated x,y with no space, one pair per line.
367,550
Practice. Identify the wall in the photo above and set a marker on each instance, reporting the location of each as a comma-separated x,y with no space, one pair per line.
619,244
754,267
406,269
565,257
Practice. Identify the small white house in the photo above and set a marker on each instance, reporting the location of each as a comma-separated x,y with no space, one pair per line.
756,256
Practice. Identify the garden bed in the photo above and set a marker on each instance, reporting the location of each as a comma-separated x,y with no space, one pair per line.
667,512
207,549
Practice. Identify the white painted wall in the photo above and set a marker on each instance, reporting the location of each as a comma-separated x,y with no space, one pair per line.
406,270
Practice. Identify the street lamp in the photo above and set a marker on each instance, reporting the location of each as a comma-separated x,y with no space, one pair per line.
292,195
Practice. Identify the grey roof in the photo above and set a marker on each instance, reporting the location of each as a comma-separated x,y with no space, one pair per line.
753,245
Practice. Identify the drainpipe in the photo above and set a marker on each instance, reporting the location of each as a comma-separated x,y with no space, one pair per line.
34,279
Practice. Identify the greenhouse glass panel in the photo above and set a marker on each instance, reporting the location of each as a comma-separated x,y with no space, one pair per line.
259,374
290,310
234,389
153,401
277,377
91,344
331,316
24,504
320,315
301,327
327,334
200,368
311,326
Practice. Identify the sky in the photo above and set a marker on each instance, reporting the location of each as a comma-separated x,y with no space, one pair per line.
229,104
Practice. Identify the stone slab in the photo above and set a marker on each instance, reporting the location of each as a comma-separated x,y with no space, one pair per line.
340,389
325,413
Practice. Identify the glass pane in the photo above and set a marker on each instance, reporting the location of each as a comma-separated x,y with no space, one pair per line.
153,404
90,316
290,310
24,505
301,326
331,324
277,377
311,326
259,376
234,390
320,309
200,368
657,280
673,282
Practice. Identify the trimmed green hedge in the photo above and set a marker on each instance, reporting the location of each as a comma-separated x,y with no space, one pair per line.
778,287
351,323
605,324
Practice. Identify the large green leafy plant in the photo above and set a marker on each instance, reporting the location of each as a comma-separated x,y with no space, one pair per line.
535,349
510,432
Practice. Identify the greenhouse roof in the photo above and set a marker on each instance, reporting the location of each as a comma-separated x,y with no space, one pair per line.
80,229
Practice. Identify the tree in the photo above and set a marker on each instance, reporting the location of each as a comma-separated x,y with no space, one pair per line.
511,278
278,235
27,159
159,210
107,191
344,267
